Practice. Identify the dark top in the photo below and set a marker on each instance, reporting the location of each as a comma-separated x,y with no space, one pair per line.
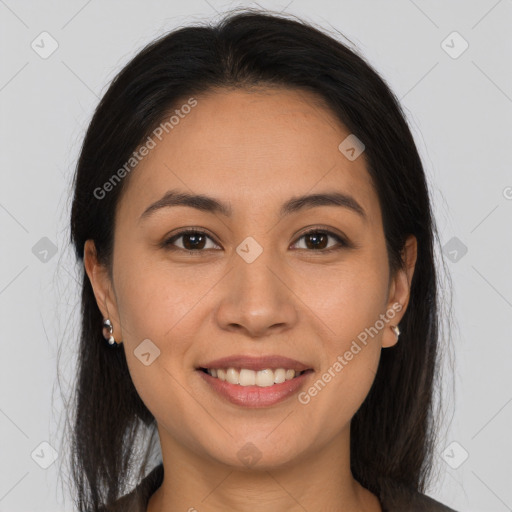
400,500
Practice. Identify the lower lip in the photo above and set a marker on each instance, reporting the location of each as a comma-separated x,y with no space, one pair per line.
255,396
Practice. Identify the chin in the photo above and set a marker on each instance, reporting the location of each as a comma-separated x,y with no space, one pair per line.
257,454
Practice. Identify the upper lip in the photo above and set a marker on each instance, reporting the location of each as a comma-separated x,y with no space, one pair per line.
257,363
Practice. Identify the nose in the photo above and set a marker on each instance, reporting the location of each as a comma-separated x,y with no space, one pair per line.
256,298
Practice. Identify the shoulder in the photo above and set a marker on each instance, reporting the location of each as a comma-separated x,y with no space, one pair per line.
403,499
137,500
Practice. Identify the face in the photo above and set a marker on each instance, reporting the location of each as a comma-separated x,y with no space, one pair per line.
252,282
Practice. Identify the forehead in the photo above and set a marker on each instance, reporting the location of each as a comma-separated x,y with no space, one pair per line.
252,147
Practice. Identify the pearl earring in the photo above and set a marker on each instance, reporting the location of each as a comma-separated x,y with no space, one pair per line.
108,330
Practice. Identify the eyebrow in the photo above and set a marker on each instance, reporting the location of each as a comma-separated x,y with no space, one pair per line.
211,205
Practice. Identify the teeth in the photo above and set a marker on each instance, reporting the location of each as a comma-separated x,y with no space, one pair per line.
279,375
265,378
245,377
289,374
232,376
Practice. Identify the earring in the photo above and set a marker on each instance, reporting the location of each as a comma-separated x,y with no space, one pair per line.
108,329
396,331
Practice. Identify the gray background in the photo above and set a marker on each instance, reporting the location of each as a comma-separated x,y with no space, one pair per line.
459,110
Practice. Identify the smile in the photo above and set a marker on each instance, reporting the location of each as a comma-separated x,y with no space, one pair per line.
247,377
247,392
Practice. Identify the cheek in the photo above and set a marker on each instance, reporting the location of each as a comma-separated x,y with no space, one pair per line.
353,298
338,391
351,307
161,306
153,301
153,307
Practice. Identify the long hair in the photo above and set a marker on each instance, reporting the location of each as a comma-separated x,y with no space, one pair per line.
394,431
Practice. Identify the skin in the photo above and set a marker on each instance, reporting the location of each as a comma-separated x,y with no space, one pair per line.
254,150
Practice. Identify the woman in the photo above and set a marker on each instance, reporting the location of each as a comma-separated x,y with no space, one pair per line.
255,228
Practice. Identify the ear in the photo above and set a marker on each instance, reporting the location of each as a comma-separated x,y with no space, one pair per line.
400,289
102,288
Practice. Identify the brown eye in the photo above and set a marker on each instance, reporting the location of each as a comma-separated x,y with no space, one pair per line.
317,240
193,241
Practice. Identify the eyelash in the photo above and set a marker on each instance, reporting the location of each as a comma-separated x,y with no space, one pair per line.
168,244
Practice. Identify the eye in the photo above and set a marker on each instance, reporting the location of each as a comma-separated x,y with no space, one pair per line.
316,239
193,241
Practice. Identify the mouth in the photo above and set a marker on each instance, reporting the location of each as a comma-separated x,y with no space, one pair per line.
254,382
262,378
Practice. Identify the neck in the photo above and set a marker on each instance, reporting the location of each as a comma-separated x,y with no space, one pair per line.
317,481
